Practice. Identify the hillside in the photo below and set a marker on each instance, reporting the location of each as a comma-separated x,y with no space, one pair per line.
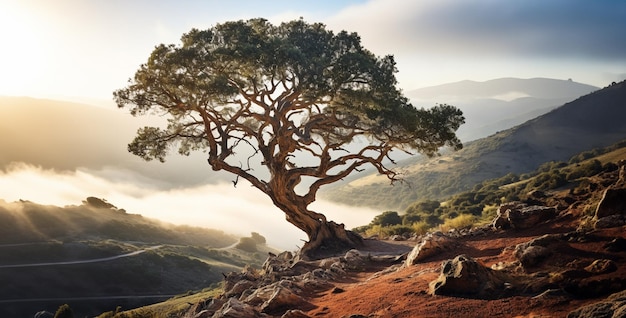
591,121
558,253
51,133
499,104
96,257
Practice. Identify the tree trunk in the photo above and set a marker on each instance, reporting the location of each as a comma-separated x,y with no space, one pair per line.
326,238
329,239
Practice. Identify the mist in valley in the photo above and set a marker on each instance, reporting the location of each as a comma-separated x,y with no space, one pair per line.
239,210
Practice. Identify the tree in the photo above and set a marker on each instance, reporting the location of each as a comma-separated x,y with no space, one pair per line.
387,218
280,106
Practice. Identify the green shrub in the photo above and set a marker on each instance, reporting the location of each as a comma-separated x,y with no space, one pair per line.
247,244
460,222
387,218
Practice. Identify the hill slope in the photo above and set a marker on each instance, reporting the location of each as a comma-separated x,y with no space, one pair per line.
96,257
67,136
591,121
499,104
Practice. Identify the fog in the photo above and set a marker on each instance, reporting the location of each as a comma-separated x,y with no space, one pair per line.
239,210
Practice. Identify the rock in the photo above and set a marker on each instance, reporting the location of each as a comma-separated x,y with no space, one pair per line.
276,297
613,307
597,310
295,313
431,244
610,221
465,276
44,314
234,308
616,245
239,288
528,217
533,252
613,202
601,266
518,215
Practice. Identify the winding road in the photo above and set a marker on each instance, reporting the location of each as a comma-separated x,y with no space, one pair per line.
95,260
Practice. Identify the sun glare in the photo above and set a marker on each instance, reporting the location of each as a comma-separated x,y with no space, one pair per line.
20,56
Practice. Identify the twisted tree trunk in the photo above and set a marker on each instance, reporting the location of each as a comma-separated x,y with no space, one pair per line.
325,238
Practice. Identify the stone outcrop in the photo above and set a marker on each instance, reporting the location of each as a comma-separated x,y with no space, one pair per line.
432,244
464,276
275,290
518,215
613,307
533,252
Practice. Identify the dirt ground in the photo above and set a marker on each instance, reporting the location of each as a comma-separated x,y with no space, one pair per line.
377,291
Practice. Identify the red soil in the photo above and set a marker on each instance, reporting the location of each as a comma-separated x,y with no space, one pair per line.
404,293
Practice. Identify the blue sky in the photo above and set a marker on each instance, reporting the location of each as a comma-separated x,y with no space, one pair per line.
90,48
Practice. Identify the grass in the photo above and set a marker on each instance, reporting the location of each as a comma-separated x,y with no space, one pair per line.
170,308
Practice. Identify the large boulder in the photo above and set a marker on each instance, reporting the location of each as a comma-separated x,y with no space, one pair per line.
464,276
431,244
534,251
613,307
519,215
276,297
234,308
613,202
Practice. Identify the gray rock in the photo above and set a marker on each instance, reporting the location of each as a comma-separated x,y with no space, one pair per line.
234,308
518,215
610,221
534,251
431,244
465,276
613,202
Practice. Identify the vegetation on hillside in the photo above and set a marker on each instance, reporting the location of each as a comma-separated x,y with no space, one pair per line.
478,206
26,221
97,250
591,121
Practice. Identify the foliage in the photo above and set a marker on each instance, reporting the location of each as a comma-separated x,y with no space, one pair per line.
387,218
64,311
460,222
247,244
36,223
275,95
258,238
479,205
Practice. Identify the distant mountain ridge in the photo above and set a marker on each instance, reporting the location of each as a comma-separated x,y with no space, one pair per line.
499,104
594,120
536,87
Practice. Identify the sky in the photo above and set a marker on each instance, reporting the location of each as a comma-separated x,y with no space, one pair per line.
86,49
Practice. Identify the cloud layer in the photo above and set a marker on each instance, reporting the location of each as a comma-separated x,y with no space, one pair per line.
238,210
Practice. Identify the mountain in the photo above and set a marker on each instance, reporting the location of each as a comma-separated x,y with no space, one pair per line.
499,104
97,257
66,136
591,121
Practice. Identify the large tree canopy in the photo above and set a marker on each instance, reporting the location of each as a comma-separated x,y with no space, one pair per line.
258,98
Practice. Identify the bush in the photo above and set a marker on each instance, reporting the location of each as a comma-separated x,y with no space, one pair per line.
260,239
64,311
387,218
420,228
247,244
460,222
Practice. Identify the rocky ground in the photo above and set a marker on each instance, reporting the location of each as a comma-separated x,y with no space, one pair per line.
550,256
